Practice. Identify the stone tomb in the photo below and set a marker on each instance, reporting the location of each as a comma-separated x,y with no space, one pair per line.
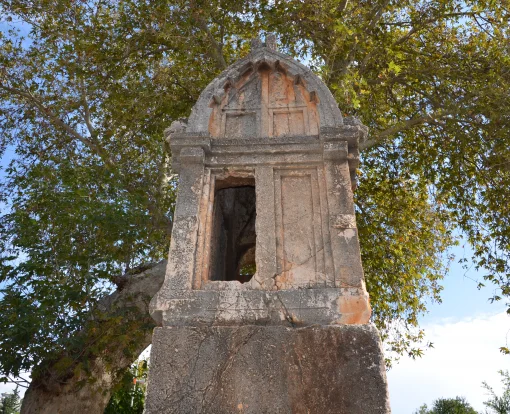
264,307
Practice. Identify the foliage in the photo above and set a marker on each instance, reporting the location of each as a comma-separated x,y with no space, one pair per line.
10,403
427,78
499,404
422,410
87,88
457,405
129,395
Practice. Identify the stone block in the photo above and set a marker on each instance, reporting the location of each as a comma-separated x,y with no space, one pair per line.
267,369
235,305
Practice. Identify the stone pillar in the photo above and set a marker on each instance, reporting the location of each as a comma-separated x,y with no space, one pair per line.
266,237
181,263
293,334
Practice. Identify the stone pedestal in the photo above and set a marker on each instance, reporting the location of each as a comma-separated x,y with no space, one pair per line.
267,369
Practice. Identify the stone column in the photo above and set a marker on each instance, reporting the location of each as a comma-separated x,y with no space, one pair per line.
354,302
344,236
265,225
181,257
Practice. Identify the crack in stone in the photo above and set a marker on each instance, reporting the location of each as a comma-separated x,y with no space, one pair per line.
225,366
288,316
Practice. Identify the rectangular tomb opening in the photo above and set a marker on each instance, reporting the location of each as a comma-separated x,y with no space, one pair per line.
233,238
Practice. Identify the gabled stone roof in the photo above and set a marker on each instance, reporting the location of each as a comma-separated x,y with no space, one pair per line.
264,58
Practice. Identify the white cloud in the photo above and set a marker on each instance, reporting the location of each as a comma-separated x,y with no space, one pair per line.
465,353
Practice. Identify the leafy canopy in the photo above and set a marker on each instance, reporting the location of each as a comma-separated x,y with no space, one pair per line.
129,395
87,88
499,404
457,405
10,403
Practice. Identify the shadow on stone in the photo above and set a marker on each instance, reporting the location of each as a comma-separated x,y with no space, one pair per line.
233,236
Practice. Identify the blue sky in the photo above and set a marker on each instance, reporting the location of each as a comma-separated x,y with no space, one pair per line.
467,331
461,297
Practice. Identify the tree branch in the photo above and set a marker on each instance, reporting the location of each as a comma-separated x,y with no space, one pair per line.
402,126
89,143
86,109
377,13
23,383
56,389
216,50
373,19
95,148
426,22
342,6
415,28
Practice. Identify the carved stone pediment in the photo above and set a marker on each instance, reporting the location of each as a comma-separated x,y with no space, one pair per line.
265,101
266,94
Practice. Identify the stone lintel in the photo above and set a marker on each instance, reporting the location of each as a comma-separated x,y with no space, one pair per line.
220,144
275,159
267,141
335,150
266,370
245,152
192,155
267,150
231,303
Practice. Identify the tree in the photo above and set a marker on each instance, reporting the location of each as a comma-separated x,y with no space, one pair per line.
129,395
457,405
422,410
87,88
10,402
497,404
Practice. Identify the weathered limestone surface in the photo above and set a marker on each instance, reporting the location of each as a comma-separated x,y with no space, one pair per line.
266,122
264,307
267,369
232,303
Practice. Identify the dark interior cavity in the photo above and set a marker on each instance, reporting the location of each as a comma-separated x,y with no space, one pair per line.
233,234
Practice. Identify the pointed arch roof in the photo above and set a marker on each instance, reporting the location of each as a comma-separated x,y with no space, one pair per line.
327,107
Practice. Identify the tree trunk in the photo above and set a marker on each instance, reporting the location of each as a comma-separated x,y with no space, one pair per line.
119,330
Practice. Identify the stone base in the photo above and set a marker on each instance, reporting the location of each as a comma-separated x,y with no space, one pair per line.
267,369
